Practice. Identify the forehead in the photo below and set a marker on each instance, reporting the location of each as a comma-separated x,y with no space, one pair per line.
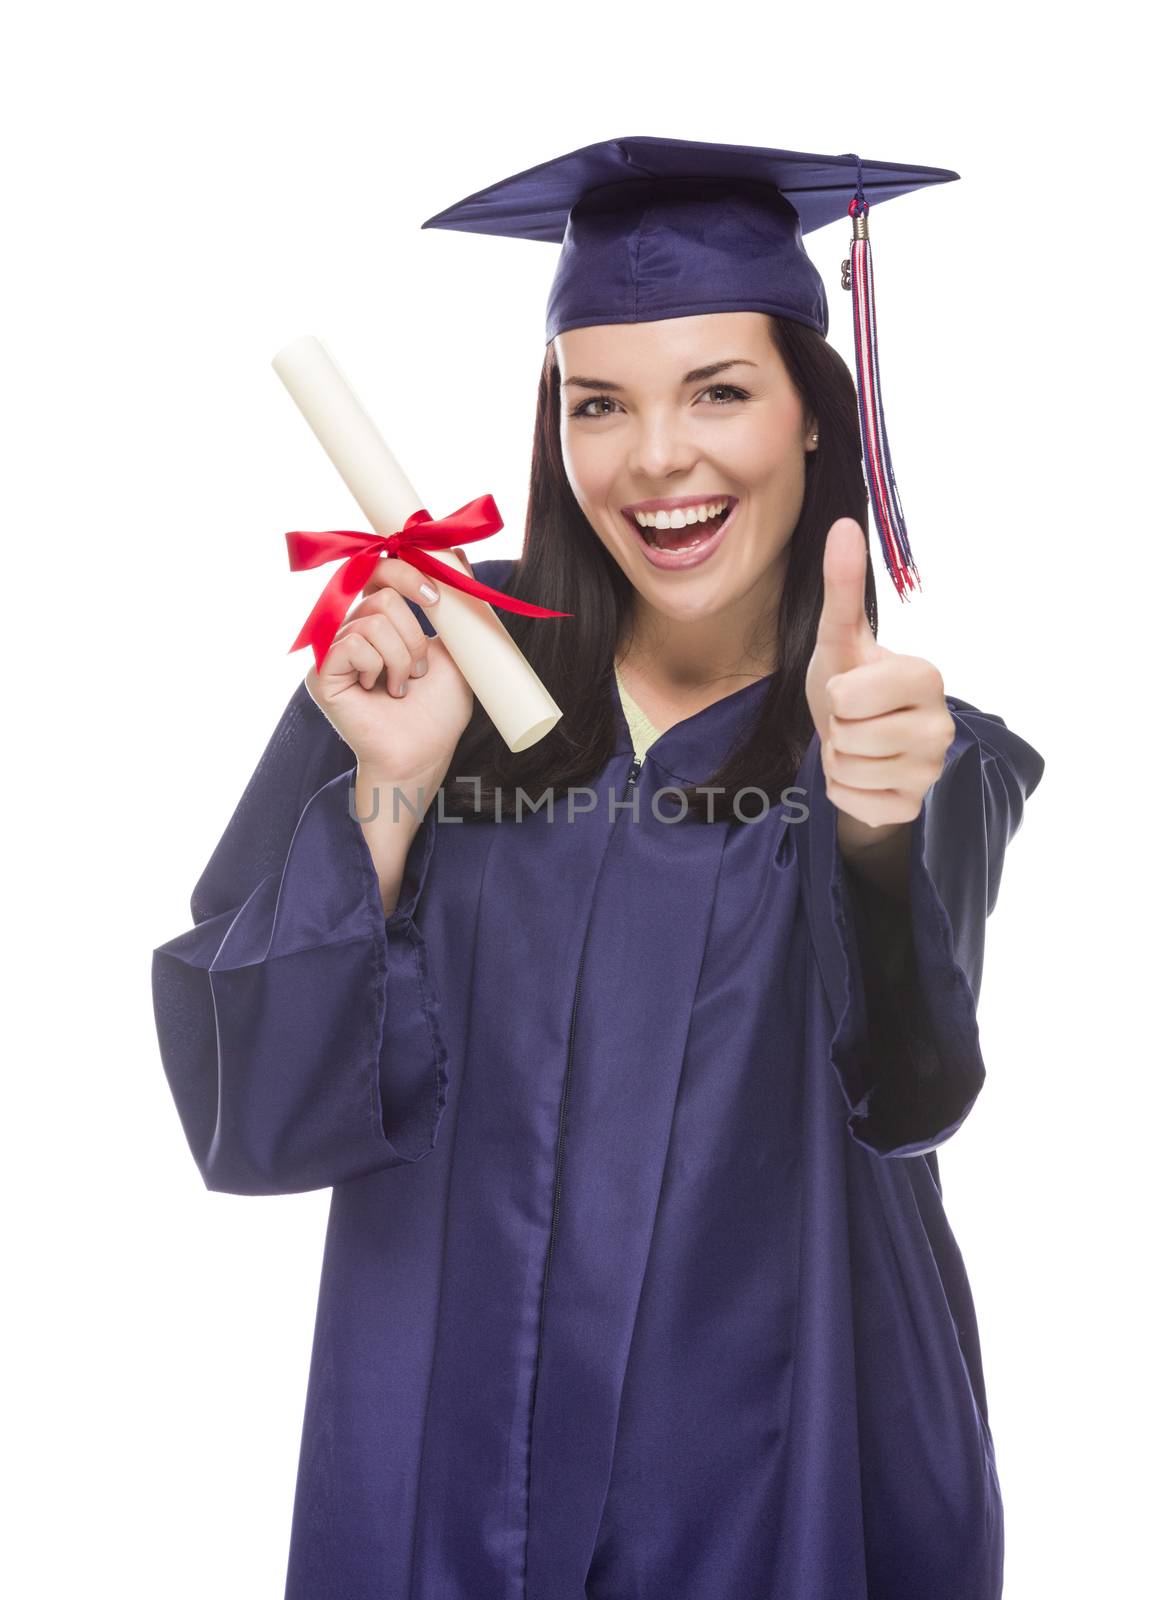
669,346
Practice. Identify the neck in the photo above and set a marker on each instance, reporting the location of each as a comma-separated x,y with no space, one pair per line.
685,665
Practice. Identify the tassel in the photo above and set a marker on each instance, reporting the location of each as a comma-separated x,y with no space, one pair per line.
858,276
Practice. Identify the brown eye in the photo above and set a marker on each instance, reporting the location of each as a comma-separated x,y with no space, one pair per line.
596,399
727,388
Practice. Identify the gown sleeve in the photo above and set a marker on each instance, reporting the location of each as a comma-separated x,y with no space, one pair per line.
903,979
299,1026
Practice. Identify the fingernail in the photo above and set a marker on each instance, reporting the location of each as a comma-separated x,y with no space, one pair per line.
428,592
401,690
419,669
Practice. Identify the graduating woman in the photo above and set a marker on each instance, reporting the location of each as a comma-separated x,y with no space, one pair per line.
627,1057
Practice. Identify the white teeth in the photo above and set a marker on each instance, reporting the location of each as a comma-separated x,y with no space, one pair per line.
681,517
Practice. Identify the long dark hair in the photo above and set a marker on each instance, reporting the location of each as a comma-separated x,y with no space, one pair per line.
565,566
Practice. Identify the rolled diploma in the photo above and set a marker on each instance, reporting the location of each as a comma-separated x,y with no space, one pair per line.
501,677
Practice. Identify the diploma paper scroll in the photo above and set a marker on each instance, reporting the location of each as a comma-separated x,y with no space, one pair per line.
501,677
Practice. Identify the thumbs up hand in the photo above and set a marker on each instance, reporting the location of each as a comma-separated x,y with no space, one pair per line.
882,719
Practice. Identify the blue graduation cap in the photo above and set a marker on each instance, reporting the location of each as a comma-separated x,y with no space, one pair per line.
652,228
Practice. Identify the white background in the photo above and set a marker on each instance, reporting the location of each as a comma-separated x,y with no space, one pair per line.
188,188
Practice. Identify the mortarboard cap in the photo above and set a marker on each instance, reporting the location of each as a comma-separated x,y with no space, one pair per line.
652,228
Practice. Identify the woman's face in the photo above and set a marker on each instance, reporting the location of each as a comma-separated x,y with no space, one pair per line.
692,411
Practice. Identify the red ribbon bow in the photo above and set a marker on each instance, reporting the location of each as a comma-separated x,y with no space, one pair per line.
478,519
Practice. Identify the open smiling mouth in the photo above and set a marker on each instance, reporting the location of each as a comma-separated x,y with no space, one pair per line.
692,533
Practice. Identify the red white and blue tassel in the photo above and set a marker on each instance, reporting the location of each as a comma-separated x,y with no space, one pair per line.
858,276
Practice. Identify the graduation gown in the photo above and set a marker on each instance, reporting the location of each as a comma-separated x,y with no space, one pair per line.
637,1281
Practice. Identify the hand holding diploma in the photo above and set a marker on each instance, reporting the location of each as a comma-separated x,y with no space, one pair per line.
518,703
405,739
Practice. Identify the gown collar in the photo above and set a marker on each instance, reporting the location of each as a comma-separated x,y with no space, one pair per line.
692,749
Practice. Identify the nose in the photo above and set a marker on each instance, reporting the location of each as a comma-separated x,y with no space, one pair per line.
661,448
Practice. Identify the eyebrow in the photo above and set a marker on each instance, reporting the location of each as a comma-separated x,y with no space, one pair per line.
694,376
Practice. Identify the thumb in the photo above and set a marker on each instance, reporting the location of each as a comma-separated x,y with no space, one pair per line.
457,551
844,638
